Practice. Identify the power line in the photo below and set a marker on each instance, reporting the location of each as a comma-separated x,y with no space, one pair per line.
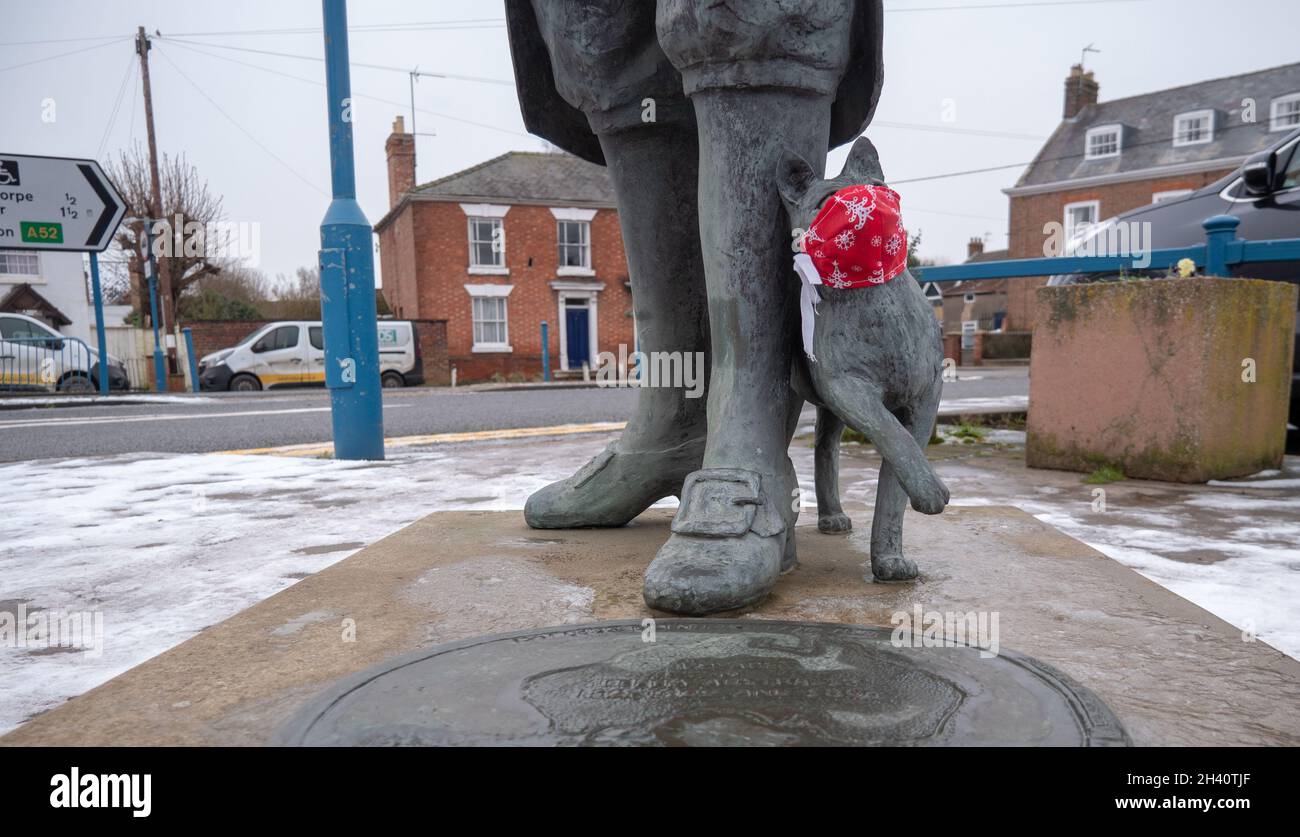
135,97
402,70
235,122
1262,126
117,105
62,55
451,25
61,40
1011,6
355,93
499,23
945,129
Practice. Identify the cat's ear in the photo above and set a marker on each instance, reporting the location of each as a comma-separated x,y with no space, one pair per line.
863,165
794,176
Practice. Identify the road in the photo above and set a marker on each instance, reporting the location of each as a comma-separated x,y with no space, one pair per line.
230,421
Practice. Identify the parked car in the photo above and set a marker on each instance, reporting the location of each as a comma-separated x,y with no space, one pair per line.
1264,193
292,354
35,357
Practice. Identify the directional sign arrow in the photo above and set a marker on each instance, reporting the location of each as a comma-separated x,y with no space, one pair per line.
56,203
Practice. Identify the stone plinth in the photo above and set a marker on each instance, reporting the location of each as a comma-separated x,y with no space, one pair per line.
1182,380
1171,672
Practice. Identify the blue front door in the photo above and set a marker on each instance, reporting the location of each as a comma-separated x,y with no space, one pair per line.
577,337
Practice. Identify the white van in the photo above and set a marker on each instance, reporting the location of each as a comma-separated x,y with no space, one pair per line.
292,354
34,357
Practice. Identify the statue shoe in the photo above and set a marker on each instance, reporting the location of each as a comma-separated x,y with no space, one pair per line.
613,487
732,536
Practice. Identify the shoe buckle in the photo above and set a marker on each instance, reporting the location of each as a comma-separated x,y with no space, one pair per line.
718,503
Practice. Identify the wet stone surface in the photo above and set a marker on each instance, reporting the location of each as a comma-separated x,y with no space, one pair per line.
709,682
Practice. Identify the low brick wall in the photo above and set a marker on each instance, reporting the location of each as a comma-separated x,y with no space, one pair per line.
432,335
1006,345
214,335
1185,380
478,368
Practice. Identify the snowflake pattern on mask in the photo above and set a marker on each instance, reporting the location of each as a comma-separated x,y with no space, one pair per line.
847,256
859,208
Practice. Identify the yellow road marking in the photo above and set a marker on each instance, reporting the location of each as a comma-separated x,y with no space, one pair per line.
322,449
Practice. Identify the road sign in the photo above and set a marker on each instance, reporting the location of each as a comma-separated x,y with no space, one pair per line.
56,203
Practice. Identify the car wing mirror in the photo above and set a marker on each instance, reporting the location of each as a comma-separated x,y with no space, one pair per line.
1257,174
260,346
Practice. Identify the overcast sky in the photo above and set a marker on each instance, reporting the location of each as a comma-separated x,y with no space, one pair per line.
259,136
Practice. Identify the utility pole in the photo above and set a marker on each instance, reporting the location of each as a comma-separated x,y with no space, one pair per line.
142,47
347,270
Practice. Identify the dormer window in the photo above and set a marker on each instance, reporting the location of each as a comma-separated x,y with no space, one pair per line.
1193,128
1103,141
1284,113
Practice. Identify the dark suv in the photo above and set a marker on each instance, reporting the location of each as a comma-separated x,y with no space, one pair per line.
1264,193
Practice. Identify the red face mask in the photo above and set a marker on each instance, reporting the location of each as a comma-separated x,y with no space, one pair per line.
858,238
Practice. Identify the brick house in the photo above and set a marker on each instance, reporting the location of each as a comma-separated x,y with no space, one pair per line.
984,302
500,248
1109,157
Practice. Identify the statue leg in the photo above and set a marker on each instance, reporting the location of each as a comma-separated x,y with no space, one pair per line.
653,169
735,526
831,518
888,563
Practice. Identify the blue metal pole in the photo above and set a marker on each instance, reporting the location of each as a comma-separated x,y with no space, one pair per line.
1220,230
347,270
194,364
99,323
151,270
546,353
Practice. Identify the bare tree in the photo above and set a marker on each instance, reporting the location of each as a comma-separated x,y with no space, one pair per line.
297,298
184,194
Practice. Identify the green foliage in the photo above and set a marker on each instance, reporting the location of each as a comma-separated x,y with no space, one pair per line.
210,304
851,435
1104,475
967,434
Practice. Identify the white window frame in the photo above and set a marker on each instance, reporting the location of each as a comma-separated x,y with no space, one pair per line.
484,212
573,214
475,266
1170,195
1180,131
34,255
1116,129
501,292
1273,112
1070,231
583,246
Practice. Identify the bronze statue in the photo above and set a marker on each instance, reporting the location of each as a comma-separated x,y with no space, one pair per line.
697,108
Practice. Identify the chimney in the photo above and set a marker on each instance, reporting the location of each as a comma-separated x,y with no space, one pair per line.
1080,91
401,162
974,247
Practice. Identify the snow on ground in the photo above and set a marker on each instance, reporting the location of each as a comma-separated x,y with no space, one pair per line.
88,400
1009,403
166,545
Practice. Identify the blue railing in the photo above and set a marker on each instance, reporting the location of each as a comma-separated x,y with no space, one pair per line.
53,364
1221,251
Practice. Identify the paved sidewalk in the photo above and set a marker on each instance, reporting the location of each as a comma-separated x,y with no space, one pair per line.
165,545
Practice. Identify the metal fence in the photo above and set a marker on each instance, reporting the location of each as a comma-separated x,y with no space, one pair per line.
1221,251
54,364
